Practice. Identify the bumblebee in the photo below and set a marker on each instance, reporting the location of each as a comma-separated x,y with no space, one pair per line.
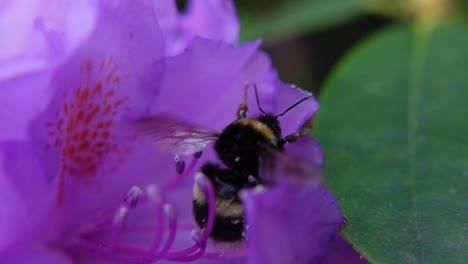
246,148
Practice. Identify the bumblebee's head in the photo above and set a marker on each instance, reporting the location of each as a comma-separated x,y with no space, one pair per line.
242,142
272,123
272,120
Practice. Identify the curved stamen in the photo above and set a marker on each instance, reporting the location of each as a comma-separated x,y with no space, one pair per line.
208,190
200,238
179,164
153,256
131,199
192,253
116,250
102,249
175,256
153,192
181,175
120,216
172,230
117,226
198,154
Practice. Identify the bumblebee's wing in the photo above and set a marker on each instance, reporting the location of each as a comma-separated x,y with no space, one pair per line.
173,135
277,166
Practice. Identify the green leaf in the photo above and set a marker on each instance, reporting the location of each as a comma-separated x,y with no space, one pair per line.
291,18
394,127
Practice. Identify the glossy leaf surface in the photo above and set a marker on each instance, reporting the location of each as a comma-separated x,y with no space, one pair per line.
393,123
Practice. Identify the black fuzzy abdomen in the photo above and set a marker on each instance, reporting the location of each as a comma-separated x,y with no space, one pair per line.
229,214
225,228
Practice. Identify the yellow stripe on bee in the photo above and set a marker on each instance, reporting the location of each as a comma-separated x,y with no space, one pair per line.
224,207
260,127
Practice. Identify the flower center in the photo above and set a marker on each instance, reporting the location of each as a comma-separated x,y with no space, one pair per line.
119,245
84,127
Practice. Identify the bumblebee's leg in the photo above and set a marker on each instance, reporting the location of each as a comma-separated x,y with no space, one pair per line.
242,110
305,129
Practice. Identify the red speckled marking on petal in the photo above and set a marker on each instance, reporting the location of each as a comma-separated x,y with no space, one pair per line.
84,127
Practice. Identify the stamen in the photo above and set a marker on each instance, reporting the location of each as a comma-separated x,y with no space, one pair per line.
117,226
103,249
132,196
179,164
207,188
188,254
200,237
198,154
153,192
180,176
119,251
169,210
153,256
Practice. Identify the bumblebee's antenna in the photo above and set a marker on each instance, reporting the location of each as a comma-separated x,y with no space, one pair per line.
258,101
292,106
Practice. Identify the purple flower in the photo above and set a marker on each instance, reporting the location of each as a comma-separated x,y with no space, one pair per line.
300,228
75,187
212,19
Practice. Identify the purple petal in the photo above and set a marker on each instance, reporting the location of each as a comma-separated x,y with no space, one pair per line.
18,110
205,84
34,254
167,15
121,55
118,66
12,210
42,33
286,96
306,148
25,198
39,38
341,251
211,19
168,20
290,223
113,75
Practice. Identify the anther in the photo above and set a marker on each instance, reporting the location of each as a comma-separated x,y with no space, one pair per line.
181,173
179,164
198,154
132,196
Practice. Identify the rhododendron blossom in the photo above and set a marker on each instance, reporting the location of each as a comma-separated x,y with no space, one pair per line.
77,186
